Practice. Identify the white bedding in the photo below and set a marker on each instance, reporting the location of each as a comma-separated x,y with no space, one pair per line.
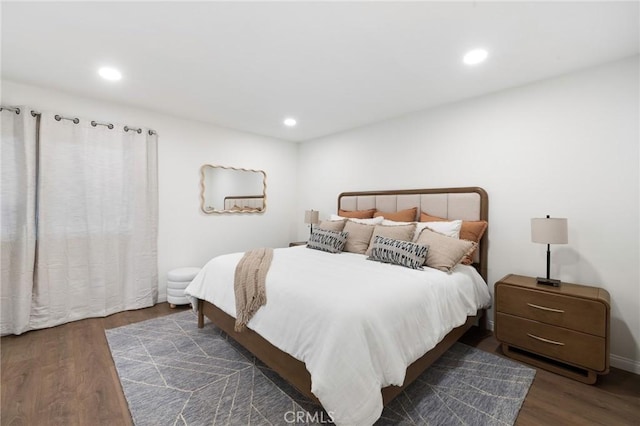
356,324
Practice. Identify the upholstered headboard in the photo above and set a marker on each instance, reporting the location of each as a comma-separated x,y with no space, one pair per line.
244,202
470,203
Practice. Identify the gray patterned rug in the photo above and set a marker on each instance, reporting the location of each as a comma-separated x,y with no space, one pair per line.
173,373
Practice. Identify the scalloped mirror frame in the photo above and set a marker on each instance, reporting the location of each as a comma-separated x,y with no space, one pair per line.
204,209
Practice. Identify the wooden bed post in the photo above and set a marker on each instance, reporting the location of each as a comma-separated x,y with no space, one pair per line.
200,313
483,322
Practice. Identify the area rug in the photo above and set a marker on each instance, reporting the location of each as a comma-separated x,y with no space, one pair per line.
173,373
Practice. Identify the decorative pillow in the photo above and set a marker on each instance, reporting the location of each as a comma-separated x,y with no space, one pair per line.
401,233
332,225
448,228
331,241
403,253
444,252
408,215
357,214
388,222
359,236
372,221
471,230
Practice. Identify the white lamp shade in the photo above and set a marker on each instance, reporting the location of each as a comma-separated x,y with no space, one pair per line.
549,230
311,216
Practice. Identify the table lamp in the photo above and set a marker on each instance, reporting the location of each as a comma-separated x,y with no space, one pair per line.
549,231
311,218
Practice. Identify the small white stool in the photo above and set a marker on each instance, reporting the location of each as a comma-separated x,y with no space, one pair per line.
177,281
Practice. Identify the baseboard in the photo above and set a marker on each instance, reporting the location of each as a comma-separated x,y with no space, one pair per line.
615,360
624,364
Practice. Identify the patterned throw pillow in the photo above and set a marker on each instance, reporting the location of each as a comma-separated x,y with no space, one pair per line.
397,252
325,240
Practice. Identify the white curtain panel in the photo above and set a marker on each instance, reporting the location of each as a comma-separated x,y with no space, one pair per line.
18,196
97,221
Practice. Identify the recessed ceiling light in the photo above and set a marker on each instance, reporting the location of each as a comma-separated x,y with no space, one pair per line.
290,122
111,74
475,56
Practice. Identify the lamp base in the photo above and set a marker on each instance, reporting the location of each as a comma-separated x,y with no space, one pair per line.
548,281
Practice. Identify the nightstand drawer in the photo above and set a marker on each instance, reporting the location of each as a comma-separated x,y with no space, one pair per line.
588,316
558,343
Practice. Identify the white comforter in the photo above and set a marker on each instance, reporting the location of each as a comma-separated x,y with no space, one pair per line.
356,324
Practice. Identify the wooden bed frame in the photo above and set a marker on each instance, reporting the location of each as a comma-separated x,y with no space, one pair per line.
295,372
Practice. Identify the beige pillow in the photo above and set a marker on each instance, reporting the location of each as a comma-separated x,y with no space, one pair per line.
444,252
358,237
399,232
471,230
332,225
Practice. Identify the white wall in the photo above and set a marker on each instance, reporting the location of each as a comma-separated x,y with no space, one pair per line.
188,237
567,147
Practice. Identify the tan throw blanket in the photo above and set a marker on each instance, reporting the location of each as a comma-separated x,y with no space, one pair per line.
249,284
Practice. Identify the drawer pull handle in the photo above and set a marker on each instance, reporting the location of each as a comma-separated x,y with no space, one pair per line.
544,308
542,339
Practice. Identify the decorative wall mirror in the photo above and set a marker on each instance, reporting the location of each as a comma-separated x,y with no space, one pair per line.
232,190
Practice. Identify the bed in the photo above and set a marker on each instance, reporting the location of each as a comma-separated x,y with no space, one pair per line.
355,344
244,202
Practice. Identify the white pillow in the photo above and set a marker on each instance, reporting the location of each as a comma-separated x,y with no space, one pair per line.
388,222
375,221
450,229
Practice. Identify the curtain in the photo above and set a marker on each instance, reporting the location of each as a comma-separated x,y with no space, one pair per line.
97,221
18,197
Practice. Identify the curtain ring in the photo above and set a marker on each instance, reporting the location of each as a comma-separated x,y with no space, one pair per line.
107,125
16,109
33,113
127,128
76,120
57,117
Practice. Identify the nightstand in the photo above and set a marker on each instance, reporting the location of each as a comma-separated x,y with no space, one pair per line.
561,329
298,243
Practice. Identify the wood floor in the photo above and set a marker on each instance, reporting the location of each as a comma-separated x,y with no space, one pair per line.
65,376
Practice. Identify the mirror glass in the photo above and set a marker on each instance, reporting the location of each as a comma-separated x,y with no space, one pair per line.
232,190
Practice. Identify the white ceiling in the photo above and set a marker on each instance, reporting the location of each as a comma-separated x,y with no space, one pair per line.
332,65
